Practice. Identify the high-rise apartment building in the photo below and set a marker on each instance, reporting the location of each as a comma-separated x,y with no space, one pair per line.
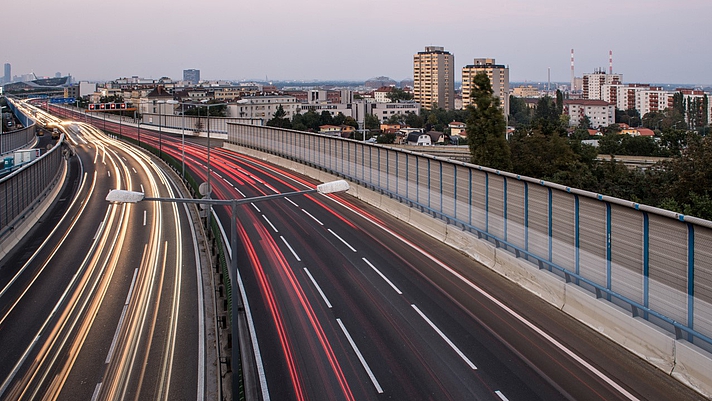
498,75
434,78
592,83
192,76
7,78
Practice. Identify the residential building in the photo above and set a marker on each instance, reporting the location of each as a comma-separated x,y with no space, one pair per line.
381,94
434,78
385,110
499,79
600,113
79,89
592,83
263,106
526,91
653,99
192,76
457,128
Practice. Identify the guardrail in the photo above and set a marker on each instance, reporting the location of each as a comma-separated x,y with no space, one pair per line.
22,190
654,263
17,139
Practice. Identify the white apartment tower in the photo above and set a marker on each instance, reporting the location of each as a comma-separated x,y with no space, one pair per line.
592,83
434,78
499,79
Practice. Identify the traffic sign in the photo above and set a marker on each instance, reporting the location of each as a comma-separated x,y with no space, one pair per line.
62,100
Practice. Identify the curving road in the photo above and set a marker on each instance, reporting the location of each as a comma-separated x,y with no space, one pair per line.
100,301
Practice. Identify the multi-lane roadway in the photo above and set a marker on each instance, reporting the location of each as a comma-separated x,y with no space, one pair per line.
100,300
349,303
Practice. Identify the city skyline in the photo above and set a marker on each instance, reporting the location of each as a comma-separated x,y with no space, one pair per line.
318,40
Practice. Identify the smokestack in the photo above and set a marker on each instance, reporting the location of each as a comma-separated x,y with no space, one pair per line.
572,71
610,61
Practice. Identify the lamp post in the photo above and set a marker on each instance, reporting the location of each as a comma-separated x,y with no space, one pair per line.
123,196
207,124
138,125
160,131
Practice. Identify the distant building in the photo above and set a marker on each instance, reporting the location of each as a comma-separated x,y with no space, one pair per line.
381,94
192,76
263,106
377,82
499,79
7,78
600,113
80,89
528,91
385,110
434,78
457,128
592,83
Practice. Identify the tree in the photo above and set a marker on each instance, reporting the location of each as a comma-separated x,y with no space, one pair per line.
396,119
486,127
371,122
519,113
326,118
279,119
397,95
413,120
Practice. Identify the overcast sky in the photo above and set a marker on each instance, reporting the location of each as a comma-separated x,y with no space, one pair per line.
653,41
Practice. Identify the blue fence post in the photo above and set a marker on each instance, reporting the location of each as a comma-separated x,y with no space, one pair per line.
487,203
646,263
551,227
504,207
608,248
690,278
577,236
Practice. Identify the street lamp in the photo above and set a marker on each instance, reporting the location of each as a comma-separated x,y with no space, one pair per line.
124,196
207,123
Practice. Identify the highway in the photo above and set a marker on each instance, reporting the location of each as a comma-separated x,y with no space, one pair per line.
350,303
100,301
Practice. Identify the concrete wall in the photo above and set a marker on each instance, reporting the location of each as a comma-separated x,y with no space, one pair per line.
683,360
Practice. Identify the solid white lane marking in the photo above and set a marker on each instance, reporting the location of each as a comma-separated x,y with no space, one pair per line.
292,202
342,240
270,223
95,396
326,300
360,357
501,396
444,337
256,208
290,248
383,276
121,319
99,229
314,218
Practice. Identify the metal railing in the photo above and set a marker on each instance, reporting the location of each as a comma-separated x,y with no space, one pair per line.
654,263
24,189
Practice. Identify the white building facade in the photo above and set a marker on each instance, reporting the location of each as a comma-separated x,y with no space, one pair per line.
600,113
